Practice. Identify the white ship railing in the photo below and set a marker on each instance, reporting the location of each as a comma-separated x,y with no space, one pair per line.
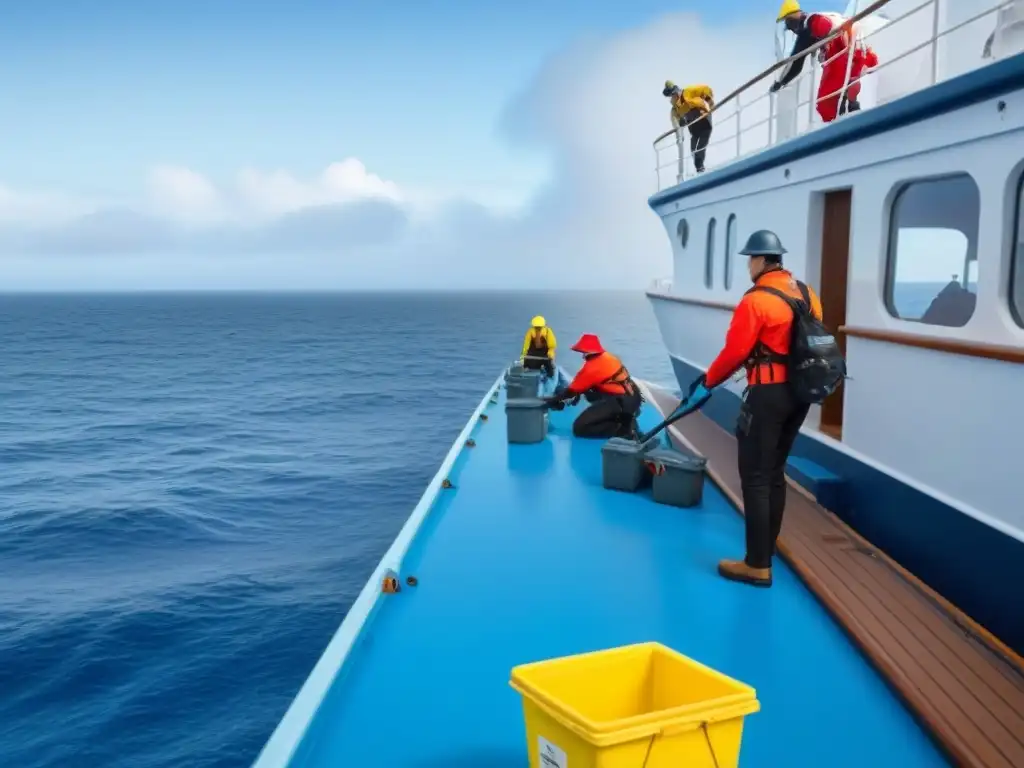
660,285
673,161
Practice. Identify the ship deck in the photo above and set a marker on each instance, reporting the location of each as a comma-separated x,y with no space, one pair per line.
527,557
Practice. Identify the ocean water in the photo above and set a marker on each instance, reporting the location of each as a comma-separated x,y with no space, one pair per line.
196,487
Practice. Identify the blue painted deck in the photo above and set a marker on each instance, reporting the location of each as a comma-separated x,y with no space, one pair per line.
527,558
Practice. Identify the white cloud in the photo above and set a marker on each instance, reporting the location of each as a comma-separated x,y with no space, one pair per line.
30,209
593,109
277,192
182,194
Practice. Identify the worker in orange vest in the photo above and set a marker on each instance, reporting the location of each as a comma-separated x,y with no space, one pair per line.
772,413
839,66
614,396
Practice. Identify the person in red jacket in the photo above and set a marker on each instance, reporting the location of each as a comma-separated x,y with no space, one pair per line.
835,56
614,396
771,416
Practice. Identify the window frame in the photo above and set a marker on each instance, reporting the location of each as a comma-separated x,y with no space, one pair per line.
1016,272
730,246
683,232
709,254
890,264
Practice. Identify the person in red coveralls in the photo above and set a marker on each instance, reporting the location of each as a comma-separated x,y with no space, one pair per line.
811,28
614,396
770,417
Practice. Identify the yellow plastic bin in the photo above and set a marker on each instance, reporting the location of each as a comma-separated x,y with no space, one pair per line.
639,706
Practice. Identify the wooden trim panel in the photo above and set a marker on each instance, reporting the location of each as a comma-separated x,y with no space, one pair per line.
949,346
723,305
965,686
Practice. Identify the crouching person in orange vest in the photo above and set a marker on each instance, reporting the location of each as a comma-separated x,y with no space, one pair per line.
614,396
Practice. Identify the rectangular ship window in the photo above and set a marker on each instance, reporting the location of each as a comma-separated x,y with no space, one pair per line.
932,265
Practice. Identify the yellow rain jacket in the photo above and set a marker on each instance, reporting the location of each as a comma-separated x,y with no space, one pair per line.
541,338
693,97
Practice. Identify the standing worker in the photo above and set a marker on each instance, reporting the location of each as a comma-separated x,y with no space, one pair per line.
840,72
791,361
691,106
539,347
606,383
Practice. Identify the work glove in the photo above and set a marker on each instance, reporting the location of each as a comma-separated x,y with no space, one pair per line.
698,393
555,402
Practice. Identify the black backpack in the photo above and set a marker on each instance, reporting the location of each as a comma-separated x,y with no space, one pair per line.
815,366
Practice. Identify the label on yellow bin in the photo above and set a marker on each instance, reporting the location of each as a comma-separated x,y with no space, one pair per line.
551,756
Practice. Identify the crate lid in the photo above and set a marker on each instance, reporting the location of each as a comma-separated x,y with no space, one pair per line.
626,446
670,457
525,404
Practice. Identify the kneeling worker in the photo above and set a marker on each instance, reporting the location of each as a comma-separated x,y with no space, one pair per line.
691,106
759,338
604,380
539,347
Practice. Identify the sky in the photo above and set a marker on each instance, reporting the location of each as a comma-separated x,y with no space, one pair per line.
274,145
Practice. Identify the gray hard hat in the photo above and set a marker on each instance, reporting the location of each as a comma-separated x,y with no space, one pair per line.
765,243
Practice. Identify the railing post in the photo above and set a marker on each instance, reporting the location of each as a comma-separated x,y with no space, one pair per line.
739,128
812,99
771,118
681,151
935,42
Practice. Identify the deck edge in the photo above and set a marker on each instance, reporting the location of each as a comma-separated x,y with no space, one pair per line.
284,741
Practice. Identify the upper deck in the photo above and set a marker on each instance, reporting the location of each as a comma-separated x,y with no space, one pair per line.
920,44
527,557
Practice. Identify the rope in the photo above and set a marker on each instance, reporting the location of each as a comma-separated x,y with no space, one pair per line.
707,738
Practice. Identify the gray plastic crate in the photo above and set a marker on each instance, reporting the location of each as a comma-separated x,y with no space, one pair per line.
622,463
516,369
527,420
522,385
678,477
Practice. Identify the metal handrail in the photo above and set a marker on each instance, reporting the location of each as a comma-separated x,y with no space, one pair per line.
788,60
814,100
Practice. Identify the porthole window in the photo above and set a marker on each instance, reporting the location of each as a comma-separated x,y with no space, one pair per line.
932,262
1017,261
709,256
730,250
683,232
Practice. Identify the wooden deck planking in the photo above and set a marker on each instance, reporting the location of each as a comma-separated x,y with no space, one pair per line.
965,686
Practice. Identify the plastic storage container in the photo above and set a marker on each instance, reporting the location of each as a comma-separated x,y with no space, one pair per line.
678,477
527,420
523,384
514,370
632,706
622,463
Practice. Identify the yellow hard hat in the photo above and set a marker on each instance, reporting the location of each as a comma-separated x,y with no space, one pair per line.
538,321
788,8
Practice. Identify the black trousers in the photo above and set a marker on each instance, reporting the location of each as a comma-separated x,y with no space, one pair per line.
768,424
700,136
532,364
610,416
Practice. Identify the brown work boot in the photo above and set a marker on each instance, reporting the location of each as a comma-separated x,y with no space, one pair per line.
737,570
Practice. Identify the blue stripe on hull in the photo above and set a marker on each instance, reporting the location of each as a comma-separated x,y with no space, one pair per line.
969,563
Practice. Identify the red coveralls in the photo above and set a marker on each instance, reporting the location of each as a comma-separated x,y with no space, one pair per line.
835,59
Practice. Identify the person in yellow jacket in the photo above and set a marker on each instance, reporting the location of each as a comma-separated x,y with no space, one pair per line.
539,347
689,105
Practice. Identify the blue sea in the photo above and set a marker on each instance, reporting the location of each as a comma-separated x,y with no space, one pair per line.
195,488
